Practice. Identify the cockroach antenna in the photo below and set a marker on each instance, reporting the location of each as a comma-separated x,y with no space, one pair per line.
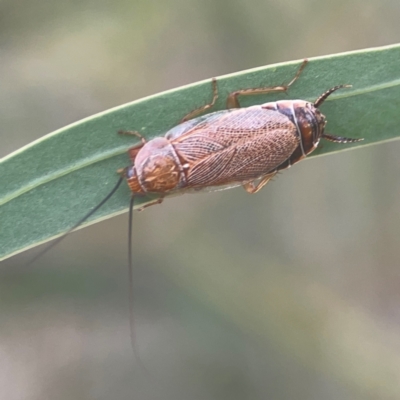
131,292
80,222
130,260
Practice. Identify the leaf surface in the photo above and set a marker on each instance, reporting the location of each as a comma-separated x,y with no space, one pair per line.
50,184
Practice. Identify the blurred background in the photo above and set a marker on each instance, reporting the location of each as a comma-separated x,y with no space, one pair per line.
293,293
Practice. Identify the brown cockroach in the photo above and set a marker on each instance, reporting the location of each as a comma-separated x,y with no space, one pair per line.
234,147
224,149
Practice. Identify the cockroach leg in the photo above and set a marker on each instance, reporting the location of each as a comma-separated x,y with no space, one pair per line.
152,203
122,172
233,101
132,151
133,133
201,109
252,188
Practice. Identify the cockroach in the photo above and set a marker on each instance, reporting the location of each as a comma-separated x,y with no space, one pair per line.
224,149
234,147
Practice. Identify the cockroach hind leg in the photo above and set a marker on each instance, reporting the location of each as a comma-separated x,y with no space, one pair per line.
205,107
252,188
298,73
233,102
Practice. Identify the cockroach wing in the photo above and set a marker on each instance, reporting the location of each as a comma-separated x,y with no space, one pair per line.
195,124
236,146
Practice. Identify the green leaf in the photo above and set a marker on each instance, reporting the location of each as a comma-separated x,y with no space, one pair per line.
50,184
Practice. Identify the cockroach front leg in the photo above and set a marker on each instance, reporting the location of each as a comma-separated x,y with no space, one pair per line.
152,203
233,101
252,188
207,106
136,148
133,133
122,172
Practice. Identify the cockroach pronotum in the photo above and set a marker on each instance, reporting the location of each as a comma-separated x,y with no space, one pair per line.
234,147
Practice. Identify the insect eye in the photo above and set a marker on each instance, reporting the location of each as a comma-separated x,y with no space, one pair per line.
130,172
